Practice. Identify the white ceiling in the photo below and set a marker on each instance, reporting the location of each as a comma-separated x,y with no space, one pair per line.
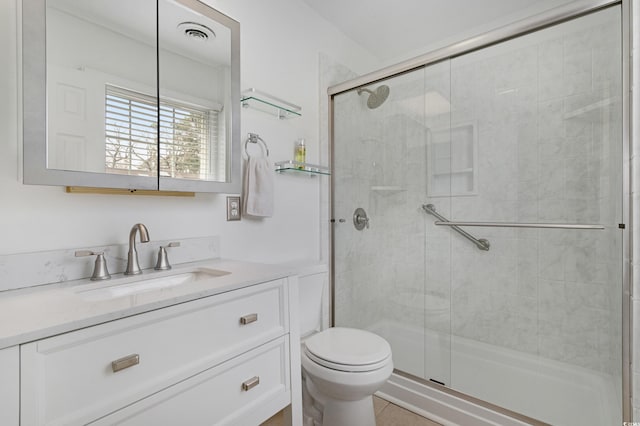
405,28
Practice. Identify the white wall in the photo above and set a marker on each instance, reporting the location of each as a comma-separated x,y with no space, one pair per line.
281,41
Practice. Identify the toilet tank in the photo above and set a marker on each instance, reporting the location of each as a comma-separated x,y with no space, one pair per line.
313,297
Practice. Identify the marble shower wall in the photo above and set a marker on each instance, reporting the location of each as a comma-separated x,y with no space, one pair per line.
547,112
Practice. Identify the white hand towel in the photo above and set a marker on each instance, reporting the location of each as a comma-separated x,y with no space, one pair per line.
258,187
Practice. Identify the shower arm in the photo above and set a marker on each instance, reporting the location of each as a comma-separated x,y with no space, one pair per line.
362,89
482,243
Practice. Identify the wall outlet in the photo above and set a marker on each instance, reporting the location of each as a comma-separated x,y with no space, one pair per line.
233,208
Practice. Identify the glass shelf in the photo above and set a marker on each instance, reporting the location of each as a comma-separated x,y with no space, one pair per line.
295,167
261,101
453,172
387,189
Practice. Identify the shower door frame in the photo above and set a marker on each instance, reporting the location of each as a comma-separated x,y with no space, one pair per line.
537,22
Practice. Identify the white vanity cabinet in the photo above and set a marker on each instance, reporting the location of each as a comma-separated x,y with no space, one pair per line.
246,390
222,359
9,386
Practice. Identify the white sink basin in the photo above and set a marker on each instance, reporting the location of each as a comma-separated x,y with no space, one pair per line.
140,284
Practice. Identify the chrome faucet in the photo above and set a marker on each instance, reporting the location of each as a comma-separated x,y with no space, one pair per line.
133,267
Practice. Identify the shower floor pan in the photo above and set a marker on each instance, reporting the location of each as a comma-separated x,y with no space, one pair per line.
546,390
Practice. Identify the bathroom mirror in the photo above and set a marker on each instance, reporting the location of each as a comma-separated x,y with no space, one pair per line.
126,94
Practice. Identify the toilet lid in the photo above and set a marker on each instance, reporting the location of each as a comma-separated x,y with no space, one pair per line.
348,349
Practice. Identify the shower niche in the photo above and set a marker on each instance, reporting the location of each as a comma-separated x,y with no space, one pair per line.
452,156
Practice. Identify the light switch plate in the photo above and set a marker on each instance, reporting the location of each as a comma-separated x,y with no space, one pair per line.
233,208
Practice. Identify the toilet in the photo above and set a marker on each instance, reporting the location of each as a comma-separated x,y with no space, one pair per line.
341,367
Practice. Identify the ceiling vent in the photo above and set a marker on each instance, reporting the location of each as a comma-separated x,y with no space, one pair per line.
195,31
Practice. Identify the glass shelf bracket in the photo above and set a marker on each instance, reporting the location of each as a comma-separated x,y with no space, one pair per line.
296,167
252,98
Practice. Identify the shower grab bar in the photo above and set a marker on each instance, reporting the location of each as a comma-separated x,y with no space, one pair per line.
482,243
520,225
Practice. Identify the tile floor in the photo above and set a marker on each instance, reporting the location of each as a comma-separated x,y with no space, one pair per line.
387,414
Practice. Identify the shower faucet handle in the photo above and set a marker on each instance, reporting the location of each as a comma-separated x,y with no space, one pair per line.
364,220
360,219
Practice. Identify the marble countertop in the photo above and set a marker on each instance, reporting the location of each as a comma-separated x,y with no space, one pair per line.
43,311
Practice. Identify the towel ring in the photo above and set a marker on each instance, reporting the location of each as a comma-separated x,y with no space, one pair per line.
255,138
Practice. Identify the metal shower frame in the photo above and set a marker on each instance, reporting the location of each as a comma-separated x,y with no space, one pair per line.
629,126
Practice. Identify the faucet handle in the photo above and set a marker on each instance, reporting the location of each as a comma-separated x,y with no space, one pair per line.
100,271
163,261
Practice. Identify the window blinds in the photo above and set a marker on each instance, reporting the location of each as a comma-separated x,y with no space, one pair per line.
185,132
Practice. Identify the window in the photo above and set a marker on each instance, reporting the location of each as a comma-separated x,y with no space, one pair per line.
186,135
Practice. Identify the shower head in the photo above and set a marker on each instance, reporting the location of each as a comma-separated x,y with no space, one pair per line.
375,98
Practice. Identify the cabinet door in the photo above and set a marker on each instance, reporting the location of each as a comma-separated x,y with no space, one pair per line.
9,386
246,390
199,98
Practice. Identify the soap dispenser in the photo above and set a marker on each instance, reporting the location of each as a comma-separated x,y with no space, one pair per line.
300,153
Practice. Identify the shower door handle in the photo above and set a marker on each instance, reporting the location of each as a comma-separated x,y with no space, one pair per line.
360,219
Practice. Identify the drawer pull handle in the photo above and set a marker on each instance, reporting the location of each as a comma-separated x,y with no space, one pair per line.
248,319
251,383
126,362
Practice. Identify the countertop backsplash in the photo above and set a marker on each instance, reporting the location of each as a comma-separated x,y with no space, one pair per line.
44,267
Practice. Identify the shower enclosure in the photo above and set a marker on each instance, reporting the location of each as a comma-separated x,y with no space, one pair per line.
520,145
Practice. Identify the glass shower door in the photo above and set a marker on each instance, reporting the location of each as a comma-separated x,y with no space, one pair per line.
512,137
379,165
536,319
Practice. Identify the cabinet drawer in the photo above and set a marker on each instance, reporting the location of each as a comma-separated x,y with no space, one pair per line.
219,395
71,379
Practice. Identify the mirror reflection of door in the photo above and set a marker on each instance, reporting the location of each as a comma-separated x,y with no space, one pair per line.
102,89
93,46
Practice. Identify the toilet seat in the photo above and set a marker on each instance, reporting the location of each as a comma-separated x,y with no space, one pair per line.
348,349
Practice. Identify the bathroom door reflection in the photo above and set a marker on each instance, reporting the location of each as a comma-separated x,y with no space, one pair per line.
91,47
